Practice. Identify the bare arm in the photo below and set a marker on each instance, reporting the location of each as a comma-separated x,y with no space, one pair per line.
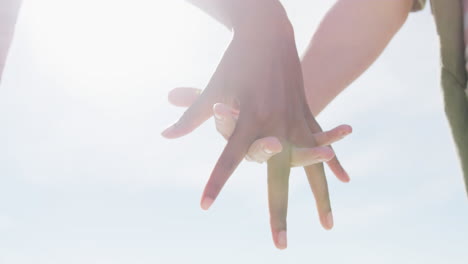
240,14
350,38
261,73
8,16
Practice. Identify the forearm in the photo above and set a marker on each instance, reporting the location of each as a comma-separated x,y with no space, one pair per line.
350,38
246,14
8,16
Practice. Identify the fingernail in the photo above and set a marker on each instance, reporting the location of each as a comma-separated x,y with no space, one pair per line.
206,203
346,177
267,151
329,221
345,133
282,240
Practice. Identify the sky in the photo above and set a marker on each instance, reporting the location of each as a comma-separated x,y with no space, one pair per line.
85,176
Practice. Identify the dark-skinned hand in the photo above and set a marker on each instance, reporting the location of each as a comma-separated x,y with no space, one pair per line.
260,73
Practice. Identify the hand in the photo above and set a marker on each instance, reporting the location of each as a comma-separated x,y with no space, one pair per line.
263,149
262,76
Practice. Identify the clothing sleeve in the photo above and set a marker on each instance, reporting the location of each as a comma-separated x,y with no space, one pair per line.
418,5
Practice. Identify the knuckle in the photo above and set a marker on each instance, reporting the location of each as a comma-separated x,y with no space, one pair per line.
261,112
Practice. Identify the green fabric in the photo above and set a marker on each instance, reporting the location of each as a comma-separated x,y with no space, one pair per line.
418,5
448,15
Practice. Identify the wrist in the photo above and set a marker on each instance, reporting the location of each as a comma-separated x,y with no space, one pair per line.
260,18
267,30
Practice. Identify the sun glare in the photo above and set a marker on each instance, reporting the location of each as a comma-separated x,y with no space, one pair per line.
106,46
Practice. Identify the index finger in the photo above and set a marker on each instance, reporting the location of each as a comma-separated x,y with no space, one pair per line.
234,152
193,117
